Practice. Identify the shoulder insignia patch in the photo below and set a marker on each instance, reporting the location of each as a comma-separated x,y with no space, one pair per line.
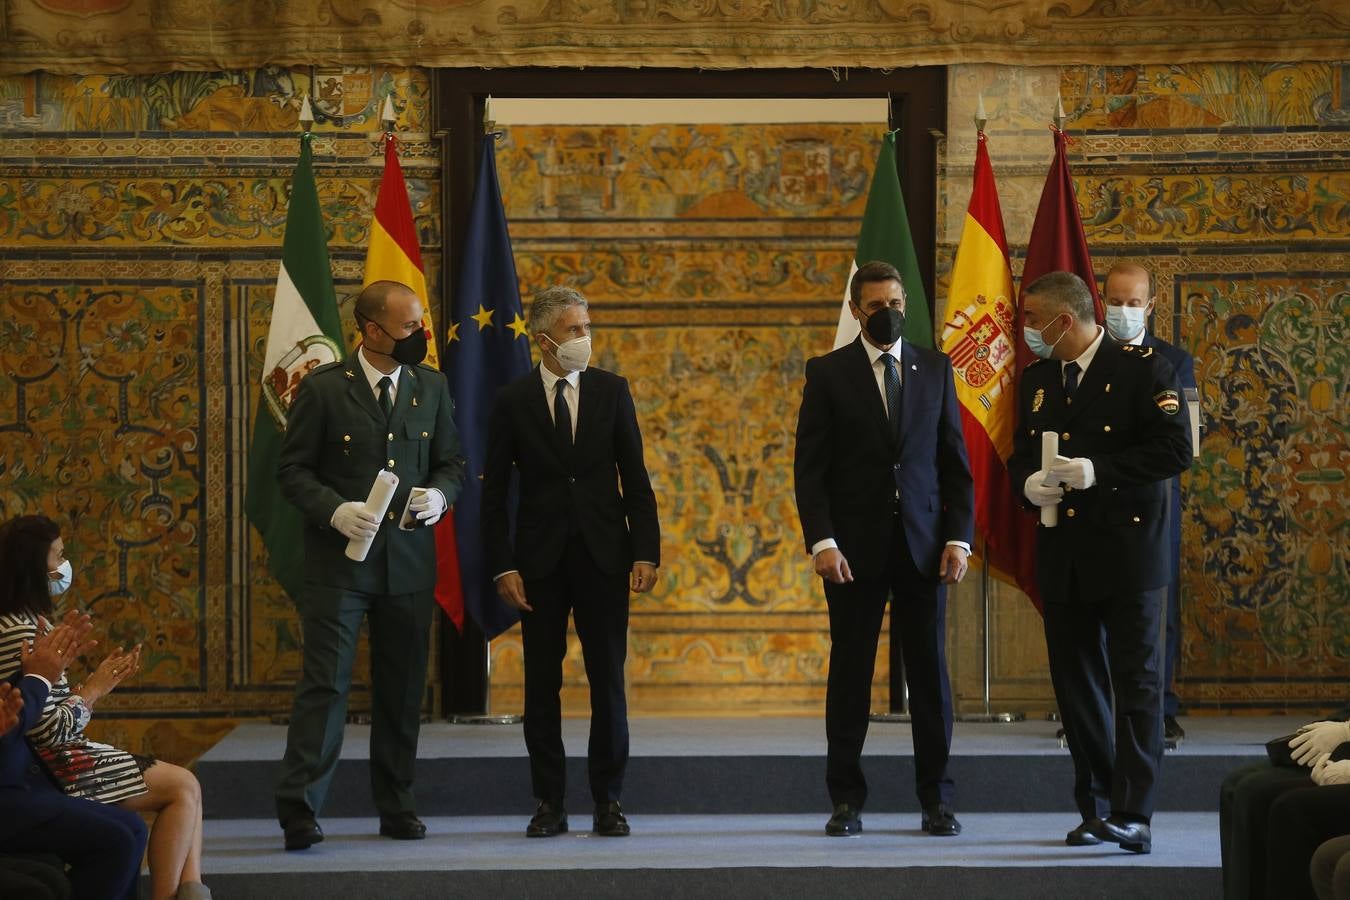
1168,401
1037,400
1137,351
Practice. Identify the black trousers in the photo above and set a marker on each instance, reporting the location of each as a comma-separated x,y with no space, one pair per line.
400,628
919,606
598,601
1105,653
1245,798
1172,643
1300,820
102,844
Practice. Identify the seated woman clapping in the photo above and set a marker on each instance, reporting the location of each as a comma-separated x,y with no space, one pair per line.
33,570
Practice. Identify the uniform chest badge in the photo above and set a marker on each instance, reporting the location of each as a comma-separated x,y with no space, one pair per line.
350,374
1168,401
1037,400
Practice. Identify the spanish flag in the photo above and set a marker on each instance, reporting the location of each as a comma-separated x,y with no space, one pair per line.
393,255
977,333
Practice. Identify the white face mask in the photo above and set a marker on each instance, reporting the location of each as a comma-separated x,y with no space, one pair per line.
1126,322
573,355
61,583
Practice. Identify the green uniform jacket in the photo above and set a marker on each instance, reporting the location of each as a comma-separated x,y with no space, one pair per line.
337,440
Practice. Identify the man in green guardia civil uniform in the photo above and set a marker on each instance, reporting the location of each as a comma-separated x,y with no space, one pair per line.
380,409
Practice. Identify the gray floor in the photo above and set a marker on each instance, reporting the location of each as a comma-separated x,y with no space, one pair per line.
1181,840
756,737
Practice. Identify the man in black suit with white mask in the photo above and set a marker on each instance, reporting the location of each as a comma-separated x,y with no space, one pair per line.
586,533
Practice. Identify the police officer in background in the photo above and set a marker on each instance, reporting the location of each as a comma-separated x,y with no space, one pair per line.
1131,295
1103,570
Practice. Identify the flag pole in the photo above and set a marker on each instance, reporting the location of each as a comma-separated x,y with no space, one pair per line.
487,716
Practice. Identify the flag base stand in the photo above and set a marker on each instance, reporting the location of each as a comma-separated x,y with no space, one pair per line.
991,717
889,718
486,719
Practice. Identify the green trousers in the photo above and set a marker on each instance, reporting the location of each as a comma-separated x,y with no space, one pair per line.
400,626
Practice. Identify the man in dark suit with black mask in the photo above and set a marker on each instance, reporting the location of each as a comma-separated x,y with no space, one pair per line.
886,502
586,534
1122,432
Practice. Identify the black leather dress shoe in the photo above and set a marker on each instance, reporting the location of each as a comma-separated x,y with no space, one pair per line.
550,820
940,821
302,832
1172,729
846,821
402,827
1085,835
1135,837
609,820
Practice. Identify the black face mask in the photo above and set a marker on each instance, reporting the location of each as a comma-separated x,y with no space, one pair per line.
885,325
409,350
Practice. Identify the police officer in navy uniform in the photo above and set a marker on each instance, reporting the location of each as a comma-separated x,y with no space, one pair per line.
1103,569
378,409
1131,295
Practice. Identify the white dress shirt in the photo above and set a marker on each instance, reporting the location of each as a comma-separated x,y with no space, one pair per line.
1085,358
572,396
373,375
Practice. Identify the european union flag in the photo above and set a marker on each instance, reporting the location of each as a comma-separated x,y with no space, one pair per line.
488,348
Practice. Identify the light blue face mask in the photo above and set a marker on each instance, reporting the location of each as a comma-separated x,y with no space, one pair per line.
1037,343
61,583
1126,322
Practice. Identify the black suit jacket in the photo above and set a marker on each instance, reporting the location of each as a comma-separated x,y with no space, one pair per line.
848,468
1114,534
598,486
337,439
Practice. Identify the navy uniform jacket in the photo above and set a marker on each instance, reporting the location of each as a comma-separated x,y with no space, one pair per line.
598,486
336,441
1184,364
27,796
1129,418
847,468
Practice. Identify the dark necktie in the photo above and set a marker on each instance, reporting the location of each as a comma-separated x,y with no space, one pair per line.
1071,371
562,416
892,382
385,385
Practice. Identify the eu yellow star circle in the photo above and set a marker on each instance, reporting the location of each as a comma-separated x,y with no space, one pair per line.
453,334
518,326
483,317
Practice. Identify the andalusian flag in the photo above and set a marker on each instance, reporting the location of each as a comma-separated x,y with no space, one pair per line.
305,332
977,333
393,255
885,236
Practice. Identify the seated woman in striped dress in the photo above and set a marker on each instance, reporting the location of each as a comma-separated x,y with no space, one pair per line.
34,570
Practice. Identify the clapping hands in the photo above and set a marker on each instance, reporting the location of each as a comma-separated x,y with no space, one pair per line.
118,667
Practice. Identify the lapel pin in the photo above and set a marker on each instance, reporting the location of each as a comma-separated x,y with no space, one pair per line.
349,373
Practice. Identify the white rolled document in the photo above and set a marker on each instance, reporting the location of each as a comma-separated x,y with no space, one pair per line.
1049,451
377,504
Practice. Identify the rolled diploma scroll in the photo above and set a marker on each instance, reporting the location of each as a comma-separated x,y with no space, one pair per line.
377,504
1049,450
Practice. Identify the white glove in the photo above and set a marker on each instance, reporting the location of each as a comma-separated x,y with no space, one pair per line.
352,520
1327,772
1312,741
1038,493
1077,473
428,506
